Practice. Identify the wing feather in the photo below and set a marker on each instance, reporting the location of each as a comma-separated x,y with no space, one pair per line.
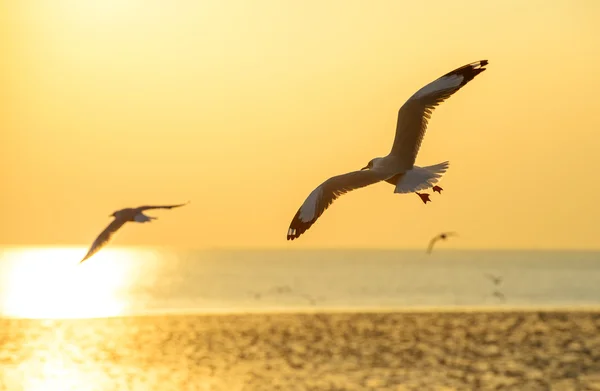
104,237
324,195
148,207
432,243
420,178
414,115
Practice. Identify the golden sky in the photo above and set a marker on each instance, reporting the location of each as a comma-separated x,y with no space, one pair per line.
243,107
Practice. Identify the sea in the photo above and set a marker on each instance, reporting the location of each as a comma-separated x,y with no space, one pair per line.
50,282
328,319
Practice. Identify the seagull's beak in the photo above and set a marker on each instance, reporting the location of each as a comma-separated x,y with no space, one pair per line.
364,168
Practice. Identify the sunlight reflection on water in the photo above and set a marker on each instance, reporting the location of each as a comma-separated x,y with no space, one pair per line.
49,282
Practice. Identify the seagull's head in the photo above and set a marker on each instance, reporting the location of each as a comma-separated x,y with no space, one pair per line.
116,214
371,164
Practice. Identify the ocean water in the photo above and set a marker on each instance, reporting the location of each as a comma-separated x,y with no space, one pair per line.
224,320
48,282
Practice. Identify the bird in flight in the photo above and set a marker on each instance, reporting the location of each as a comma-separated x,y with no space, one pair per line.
397,168
120,218
495,279
442,236
499,295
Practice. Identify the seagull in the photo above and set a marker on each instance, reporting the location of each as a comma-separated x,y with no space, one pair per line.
282,289
499,295
495,279
442,236
120,218
397,168
309,298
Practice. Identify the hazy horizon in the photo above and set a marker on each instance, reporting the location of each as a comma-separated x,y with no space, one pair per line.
307,248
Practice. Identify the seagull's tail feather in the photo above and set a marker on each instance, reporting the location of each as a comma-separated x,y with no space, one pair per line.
142,218
150,218
421,178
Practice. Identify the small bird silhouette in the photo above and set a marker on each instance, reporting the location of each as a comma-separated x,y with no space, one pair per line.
442,236
499,295
256,295
312,300
495,279
120,218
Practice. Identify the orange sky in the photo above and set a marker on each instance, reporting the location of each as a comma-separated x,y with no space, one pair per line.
243,107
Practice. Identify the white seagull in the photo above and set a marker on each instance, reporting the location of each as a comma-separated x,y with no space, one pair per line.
442,236
121,217
397,168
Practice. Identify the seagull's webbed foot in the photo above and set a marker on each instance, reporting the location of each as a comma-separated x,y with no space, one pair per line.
438,189
424,197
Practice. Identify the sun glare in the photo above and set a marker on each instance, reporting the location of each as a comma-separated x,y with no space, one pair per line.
49,283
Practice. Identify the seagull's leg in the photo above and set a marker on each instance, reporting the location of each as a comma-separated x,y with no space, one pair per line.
424,197
438,189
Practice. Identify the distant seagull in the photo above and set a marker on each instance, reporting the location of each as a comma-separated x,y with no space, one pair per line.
282,289
256,295
499,295
397,168
121,217
442,236
309,298
495,279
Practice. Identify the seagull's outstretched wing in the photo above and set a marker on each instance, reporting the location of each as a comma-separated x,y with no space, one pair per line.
443,235
499,295
104,237
148,207
432,243
321,197
495,279
414,114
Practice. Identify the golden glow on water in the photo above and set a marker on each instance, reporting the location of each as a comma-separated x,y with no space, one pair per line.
49,283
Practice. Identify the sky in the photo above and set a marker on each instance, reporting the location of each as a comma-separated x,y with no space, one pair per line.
243,107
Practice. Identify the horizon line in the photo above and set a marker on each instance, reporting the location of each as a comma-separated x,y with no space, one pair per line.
315,248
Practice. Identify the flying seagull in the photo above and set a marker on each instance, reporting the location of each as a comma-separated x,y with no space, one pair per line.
397,168
495,279
120,218
442,236
499,295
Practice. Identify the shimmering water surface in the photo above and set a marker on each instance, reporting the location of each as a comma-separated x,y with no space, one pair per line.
340,320
40,283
